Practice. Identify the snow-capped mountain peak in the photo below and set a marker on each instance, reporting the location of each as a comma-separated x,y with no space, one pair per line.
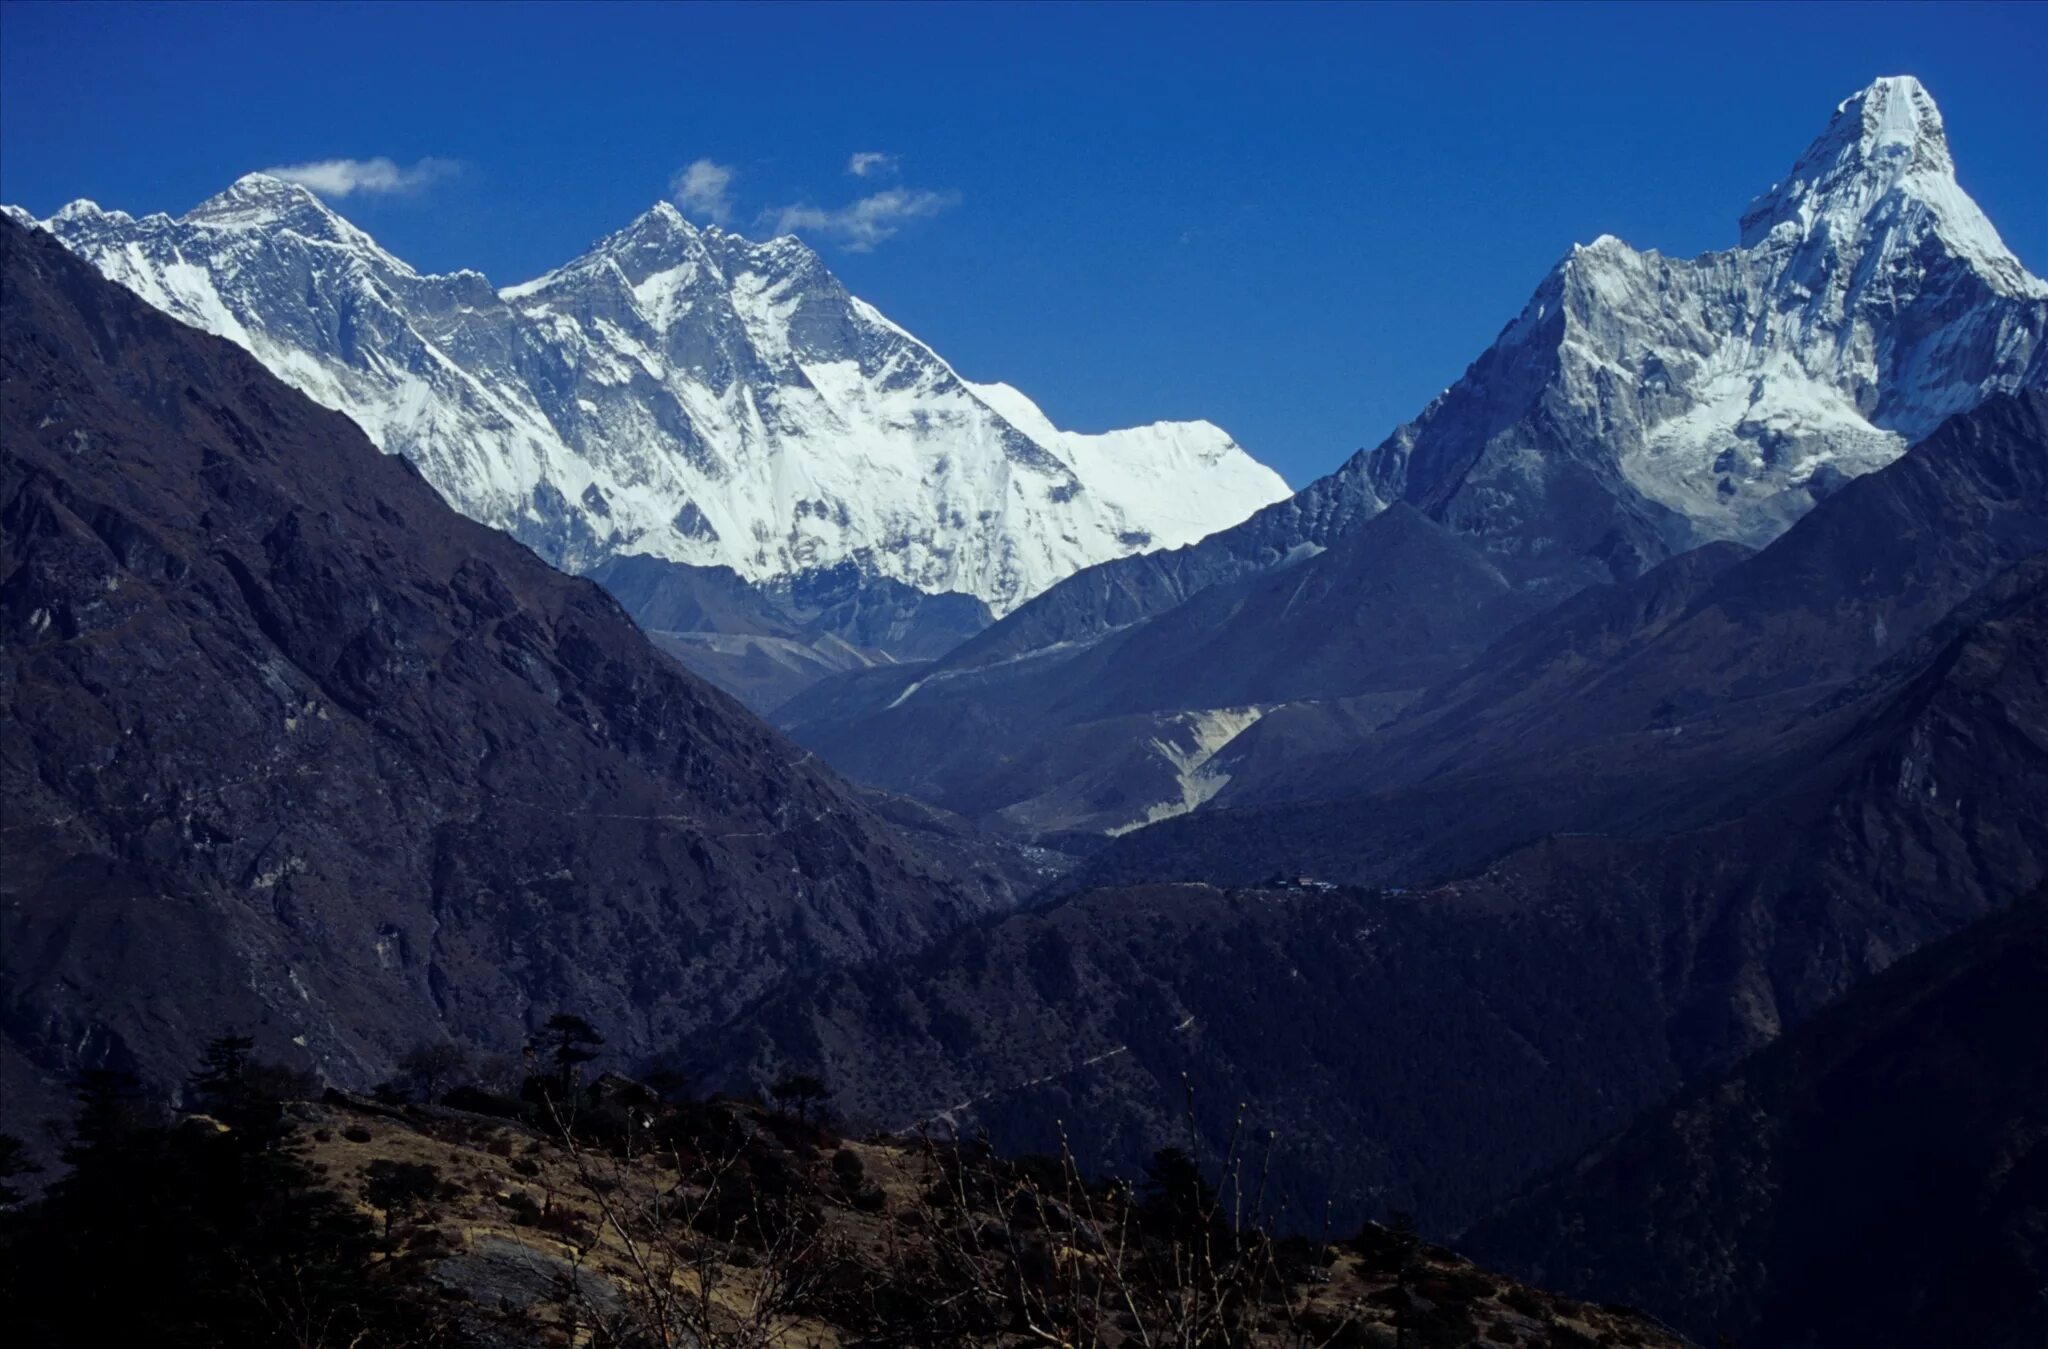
1883,160
657,239
679,391
1879,136
1642,404
259,199
263,202
83,210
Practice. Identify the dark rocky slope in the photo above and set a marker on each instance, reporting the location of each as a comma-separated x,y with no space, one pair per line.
1437,1047
291,746
665,596
1878,1176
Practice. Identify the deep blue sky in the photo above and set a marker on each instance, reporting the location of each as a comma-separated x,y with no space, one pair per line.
1300,223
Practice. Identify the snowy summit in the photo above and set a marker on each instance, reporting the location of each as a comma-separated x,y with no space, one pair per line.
680,392
1686,400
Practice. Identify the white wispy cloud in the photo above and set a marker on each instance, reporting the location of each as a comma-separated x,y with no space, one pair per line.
704,190
860,225
342,177
866,162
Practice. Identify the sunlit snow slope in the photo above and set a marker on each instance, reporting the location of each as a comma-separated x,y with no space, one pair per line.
680,392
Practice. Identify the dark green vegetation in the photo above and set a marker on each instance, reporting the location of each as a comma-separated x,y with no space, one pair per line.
1351,1021
210,1228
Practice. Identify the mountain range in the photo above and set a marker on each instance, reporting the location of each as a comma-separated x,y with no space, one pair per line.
1647,697
676,392
1433,992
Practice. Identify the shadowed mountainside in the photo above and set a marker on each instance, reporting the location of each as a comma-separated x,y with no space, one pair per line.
1660,704
1436,1047
1878,1176
292,746
1638,408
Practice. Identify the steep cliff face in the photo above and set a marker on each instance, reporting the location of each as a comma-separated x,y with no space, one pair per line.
1705,645
680,392
292,747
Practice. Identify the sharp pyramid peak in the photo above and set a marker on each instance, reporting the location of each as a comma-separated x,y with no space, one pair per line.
1898,116
663,236
661,230
276,205
664,215
265,200
1885,133
270,184
1885,145
1893,119
658,239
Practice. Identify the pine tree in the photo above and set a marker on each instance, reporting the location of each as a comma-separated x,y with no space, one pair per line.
398,1188
223,1072
569,1042
1175,1200
210,1232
